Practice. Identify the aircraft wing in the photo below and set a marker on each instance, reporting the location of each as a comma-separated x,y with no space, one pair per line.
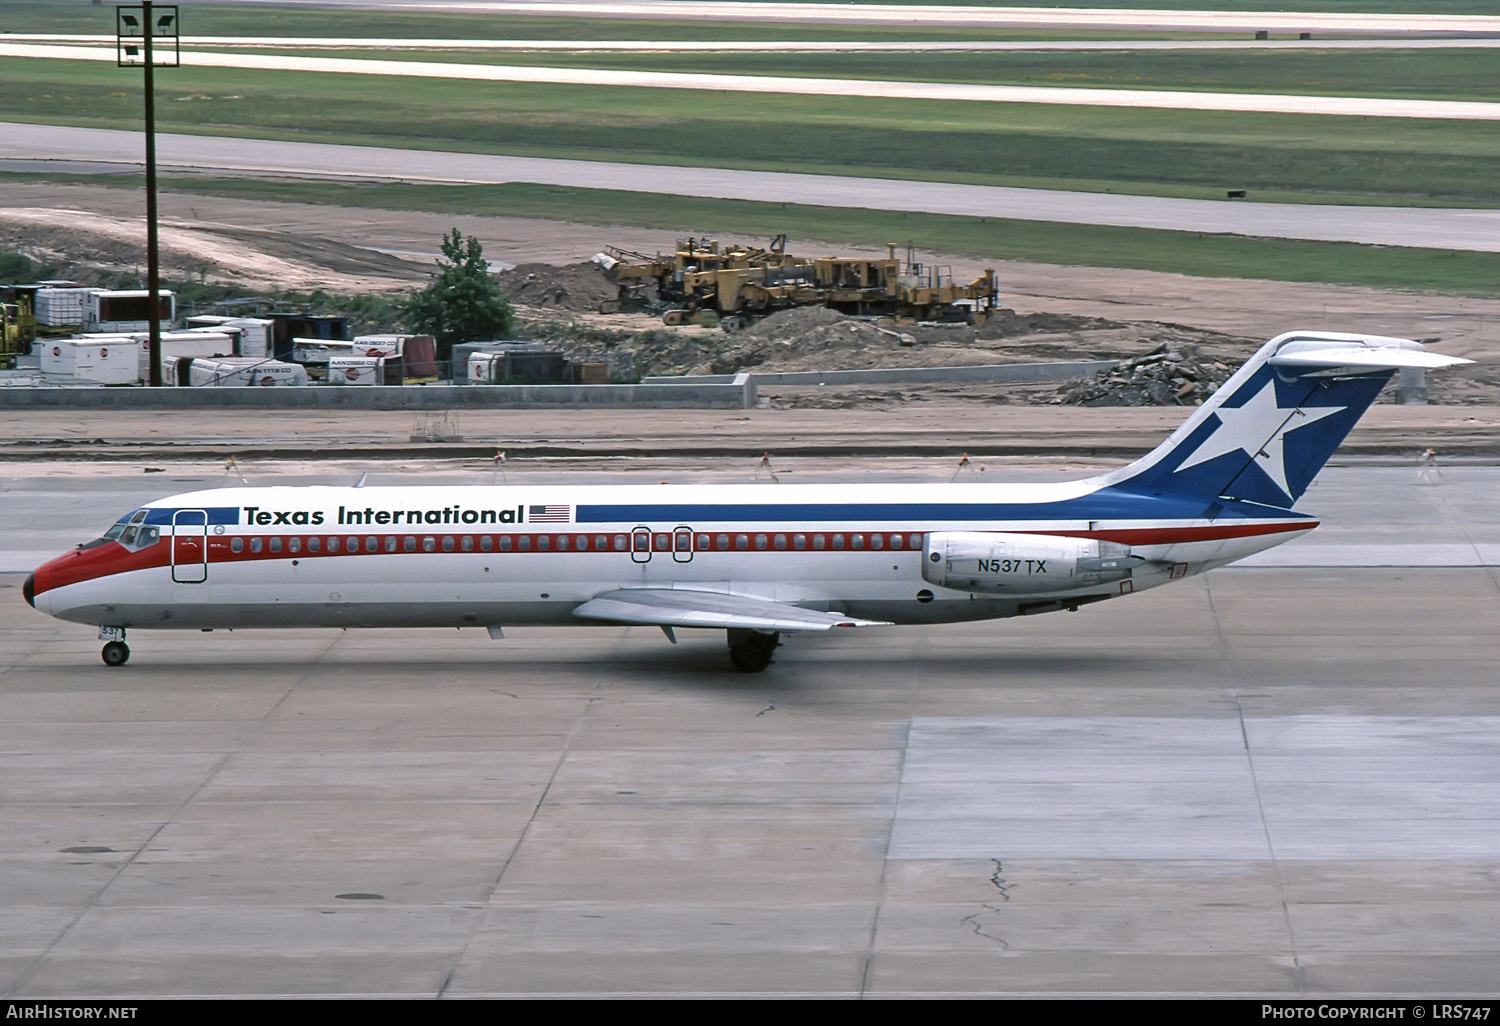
682,607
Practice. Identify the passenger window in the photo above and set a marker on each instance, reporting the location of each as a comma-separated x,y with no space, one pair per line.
372,544
486,543
294,545
524,543
876,540
620,543
601,542
583,543
722,541
392,543
256,544
543,543
333,544
313,544
818,541
237,545
838,541
799,541
562,543
275,544
760,541
505,543
781,541
448,543
409,543
429,544
856,541
467,543
742,541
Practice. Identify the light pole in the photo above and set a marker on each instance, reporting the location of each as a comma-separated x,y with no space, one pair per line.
136,30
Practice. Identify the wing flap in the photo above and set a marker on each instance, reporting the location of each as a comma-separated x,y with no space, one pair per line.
681,607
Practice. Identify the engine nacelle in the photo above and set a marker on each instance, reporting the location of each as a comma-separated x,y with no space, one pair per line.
1022,564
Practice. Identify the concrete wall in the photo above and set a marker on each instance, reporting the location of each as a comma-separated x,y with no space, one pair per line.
737,393
993,372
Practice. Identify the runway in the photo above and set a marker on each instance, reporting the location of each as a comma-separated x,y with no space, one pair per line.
26,147
945,92
1274,781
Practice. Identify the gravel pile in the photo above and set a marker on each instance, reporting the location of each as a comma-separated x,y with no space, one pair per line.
1168,375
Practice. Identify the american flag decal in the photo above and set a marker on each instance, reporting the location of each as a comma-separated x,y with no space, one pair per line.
549,514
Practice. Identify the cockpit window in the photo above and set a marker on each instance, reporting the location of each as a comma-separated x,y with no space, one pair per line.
139,537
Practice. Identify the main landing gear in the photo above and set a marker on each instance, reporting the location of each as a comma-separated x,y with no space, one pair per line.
750,651
116,652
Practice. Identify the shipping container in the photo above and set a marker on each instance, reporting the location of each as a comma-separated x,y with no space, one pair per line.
463,350
175,345
288,326
107,360
238,371
257,335
518,367
127,310
317,352
363,370
418,353
484,368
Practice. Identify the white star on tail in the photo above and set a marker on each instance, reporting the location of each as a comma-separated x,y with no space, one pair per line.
1258,428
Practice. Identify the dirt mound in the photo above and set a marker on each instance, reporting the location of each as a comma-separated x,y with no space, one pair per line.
583,287
1008,323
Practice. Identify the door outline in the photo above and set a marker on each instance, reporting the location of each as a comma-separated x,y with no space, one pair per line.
189,525
682,544
640,545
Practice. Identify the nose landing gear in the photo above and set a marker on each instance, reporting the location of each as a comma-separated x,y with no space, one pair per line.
116,652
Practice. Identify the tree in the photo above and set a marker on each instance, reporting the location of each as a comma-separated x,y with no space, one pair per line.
463,303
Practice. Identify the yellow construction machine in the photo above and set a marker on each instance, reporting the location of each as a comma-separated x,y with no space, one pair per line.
704,282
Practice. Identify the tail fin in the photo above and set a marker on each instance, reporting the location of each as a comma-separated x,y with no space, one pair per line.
1269,429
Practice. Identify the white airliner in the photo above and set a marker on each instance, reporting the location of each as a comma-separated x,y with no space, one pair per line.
755,560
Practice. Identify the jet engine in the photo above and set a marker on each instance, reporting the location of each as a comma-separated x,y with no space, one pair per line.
1022,564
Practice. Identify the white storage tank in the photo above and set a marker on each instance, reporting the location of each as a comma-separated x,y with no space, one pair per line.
61,307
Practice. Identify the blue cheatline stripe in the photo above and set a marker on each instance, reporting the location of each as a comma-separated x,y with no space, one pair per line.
1114,504
1107,504
216,514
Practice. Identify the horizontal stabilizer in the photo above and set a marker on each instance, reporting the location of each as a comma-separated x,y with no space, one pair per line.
1352,356
680,607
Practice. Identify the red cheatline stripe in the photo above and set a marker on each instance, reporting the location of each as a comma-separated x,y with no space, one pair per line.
107,560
